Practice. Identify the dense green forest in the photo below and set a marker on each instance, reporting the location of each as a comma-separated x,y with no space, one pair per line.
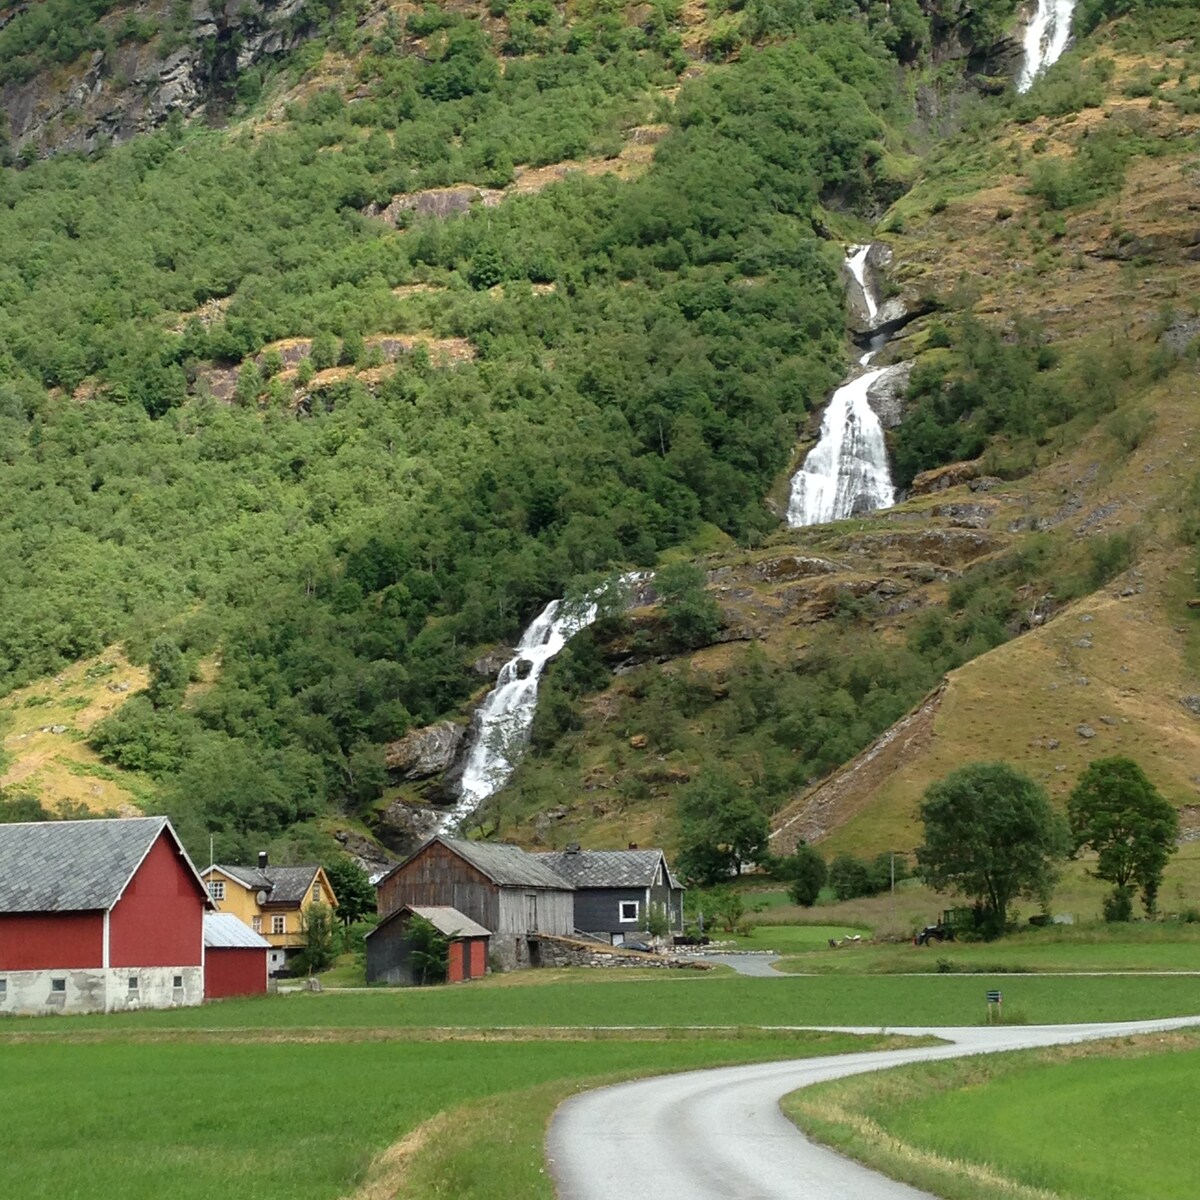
345,565
642,354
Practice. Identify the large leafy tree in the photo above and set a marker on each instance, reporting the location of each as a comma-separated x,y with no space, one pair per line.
991,834
1116,811
352,887
721,827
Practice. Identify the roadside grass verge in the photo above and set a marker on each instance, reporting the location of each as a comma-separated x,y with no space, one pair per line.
681,999
306,1119
1102,1120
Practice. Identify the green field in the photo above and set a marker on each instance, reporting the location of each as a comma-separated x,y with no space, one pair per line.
685,999
1109,1121
122,1115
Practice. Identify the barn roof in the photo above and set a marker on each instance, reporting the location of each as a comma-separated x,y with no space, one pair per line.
73,866
608,868
442,917
223,931
508,866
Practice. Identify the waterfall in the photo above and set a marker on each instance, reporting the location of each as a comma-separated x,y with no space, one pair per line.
847,471
503,721
1046,38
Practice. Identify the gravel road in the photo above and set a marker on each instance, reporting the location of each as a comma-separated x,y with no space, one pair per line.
719,1134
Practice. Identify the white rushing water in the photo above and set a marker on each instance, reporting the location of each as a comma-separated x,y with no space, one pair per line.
503,721
847,471
1046,38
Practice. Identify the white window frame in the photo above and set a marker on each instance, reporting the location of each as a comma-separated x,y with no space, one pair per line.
133,983
316,891
3,987
279,924
256,924
58,986
623,906
177,983
216,889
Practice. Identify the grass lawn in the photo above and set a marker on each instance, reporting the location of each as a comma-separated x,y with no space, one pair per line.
683,999
789,939
1158,946
1105,1121
195,1115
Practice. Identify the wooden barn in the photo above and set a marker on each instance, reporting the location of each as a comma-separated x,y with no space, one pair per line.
502,888
390,946
236,959
98,916
616,890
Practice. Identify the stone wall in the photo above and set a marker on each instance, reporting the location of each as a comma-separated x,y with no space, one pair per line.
96,990
568,952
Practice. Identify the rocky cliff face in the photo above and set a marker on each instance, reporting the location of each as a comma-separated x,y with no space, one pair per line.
191,67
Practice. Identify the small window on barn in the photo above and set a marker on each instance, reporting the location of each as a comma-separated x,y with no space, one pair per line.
58,985
629,910
316,891
279,923
133,983
216,889
3,987
256,924
178,982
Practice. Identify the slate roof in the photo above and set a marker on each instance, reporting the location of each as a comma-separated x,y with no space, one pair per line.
74,866
608,868
442,917
223,931
508,866
283,885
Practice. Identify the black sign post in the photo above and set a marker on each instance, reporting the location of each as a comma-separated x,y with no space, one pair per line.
994,998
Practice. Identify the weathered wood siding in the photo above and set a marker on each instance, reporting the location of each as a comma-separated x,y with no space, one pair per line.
525,910
438,876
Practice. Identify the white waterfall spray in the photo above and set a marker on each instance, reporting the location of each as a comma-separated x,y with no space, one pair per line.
503,721
1046,37
847,471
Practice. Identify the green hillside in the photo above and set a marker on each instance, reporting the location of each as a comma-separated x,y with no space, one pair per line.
450,310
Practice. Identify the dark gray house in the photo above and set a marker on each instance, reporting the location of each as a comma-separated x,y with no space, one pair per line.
616,889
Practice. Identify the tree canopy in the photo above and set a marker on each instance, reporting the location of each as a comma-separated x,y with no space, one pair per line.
991,834
1115,811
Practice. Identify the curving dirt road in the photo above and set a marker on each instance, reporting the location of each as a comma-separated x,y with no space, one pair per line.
719,1134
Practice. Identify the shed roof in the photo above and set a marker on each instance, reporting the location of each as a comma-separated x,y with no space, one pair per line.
506,866
608,868
74,866
223,931
444,919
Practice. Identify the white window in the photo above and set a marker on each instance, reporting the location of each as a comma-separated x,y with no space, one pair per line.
216,889
629,910
316,891
3,987
178,983
279,923
58,985
256,924
133,983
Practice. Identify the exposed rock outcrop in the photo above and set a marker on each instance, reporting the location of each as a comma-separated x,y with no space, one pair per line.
424,752
110,97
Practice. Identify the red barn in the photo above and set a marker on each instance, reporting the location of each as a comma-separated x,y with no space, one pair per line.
235,958
97,916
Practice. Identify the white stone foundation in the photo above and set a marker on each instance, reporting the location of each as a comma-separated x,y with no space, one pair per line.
95,990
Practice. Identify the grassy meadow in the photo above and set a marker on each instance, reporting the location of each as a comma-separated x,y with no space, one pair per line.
1105,1121
308,1116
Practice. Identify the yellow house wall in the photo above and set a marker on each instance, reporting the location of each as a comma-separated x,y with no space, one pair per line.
242,902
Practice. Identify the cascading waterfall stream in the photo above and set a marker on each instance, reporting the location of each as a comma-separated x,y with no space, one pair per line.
1046,38
847,471
503,720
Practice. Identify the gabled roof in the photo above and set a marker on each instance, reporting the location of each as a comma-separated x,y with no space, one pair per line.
505,866
283,885
74,866
442,917
223,931
608,868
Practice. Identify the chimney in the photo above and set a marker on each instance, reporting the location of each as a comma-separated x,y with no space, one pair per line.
631,846
262,860
572,848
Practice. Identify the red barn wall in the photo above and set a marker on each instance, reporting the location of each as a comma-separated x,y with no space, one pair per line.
234,971
45,941
159,921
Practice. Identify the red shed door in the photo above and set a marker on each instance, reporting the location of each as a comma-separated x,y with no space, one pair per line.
457,964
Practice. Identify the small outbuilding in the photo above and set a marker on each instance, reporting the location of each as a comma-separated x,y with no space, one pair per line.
235,958
390,945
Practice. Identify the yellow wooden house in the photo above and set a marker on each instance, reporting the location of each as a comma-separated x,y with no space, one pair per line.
271,900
